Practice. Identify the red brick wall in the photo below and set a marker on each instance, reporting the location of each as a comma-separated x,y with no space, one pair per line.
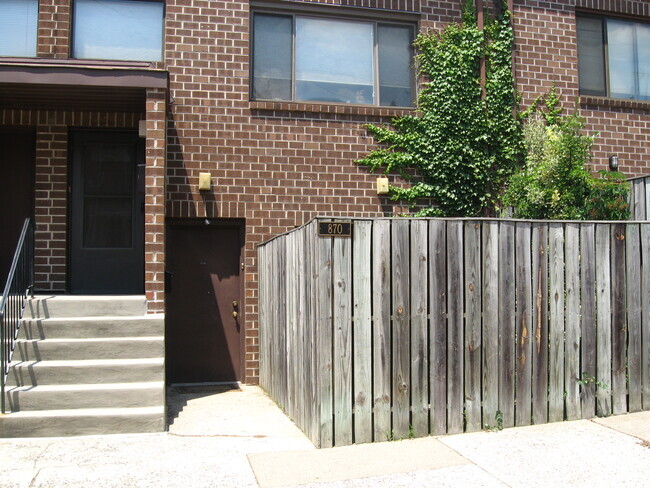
277,165
274,164
54,22
154,227
546,52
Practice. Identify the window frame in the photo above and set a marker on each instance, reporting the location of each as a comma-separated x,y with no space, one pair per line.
605,53
73,13
376,18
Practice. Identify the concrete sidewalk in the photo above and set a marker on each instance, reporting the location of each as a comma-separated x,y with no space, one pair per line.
239,438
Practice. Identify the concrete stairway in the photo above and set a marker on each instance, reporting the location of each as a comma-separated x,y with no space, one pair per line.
86,365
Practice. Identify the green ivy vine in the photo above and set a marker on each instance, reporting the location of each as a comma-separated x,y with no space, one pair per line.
466,141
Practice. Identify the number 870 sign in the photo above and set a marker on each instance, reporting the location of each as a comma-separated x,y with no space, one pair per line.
334,229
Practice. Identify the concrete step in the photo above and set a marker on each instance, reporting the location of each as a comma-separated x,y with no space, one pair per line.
56,397
106,348
87,371
46,306
93,421
85,328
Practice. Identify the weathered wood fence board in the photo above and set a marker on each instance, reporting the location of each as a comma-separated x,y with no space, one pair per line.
455,316
401,329
540,323
438,328
362,333
572,324
472,346
645,314
506,323
323,349
556,323
413,327
588,319
633,271
639,199
490,336
603,322
523,350
381,337
419,330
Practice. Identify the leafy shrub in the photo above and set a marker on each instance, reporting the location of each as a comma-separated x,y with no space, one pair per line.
554,182
608,197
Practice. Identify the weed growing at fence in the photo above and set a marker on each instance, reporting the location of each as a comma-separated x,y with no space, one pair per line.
590,380
498,418
390,436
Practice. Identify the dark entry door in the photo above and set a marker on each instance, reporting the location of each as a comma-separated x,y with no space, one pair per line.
203,303
16,190
107,213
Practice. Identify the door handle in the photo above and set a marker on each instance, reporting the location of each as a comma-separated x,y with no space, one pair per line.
235,314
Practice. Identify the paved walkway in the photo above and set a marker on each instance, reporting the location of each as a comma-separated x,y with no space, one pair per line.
239,438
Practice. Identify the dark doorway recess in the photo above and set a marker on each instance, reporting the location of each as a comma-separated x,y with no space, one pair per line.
203,306
16,190
106,213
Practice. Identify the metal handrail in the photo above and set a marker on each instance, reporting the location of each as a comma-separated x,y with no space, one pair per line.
20,283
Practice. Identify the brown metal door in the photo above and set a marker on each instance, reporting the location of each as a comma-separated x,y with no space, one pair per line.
16,190
203,302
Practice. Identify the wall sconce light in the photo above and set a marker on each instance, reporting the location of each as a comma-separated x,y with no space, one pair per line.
382,185
204,181
613,163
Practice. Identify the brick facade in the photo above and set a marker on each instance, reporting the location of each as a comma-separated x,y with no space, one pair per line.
54,29
546,52
275,165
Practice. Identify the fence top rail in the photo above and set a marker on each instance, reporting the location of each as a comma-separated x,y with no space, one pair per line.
642,177
451,219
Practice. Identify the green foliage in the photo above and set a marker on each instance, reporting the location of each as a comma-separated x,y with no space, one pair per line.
608,197
590,380
555,182
466,141
498,418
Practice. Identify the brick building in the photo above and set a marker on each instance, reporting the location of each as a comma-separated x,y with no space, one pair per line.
153,93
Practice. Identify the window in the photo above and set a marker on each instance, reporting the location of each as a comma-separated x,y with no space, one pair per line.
126,30
614,58
317,59
18,27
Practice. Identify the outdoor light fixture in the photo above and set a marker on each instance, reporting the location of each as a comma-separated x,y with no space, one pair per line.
204,181
382,185
613,163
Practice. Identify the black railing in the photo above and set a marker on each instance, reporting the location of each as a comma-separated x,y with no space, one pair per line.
20,283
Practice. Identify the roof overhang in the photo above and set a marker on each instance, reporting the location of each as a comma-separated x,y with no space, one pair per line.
68,85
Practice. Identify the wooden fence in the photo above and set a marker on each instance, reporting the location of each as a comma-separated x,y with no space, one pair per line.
640,198
414,327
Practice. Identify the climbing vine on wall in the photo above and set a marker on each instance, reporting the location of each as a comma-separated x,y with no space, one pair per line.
465,142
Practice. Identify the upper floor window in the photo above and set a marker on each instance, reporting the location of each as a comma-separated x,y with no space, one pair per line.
128,30
614,57
317,59
18,27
